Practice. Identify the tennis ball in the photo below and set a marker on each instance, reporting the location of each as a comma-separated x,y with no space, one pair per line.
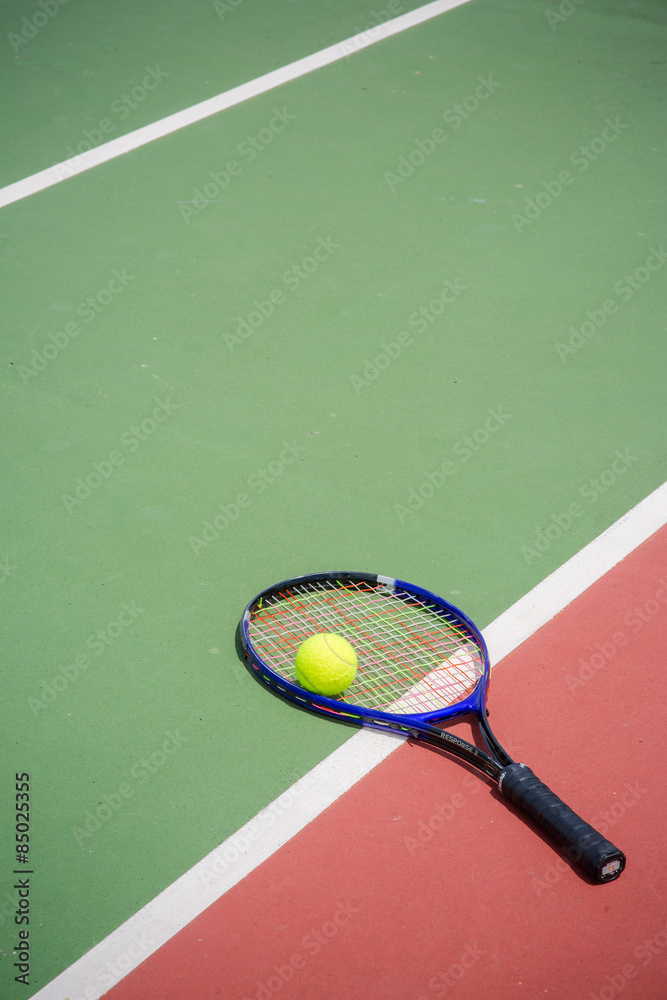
326,664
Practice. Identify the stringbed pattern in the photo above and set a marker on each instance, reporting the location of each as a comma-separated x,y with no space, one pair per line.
413,656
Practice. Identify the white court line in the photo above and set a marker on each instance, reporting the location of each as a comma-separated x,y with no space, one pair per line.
114,957
172,123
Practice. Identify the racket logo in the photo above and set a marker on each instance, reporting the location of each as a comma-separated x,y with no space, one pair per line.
464,746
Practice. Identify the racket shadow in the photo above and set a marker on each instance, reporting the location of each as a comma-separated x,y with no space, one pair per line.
467,727
458,761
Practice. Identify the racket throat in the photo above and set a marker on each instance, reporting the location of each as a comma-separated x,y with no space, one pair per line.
441,739
492,744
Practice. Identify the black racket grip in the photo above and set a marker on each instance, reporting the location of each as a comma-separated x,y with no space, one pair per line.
579,841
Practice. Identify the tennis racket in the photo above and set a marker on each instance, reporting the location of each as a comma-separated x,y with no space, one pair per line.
420,661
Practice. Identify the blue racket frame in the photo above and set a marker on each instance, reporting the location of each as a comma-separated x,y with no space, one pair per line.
419,725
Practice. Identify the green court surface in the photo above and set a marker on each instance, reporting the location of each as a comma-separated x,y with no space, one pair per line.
404,314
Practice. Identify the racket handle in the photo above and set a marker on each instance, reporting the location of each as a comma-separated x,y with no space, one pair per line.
579,841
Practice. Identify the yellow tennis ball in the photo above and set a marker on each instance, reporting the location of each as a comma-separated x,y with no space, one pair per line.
326,664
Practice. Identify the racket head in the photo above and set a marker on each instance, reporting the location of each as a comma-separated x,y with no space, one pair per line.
420,659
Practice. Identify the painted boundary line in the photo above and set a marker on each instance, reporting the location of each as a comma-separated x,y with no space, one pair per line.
228,99
123,950
566,583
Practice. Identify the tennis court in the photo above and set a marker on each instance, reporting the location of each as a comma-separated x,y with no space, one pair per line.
307,285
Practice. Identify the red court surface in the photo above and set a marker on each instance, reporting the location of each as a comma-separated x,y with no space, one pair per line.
421,882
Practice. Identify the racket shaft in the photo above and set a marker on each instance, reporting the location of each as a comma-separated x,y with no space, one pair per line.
579,841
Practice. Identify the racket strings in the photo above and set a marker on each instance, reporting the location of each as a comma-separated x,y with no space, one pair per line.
413,656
